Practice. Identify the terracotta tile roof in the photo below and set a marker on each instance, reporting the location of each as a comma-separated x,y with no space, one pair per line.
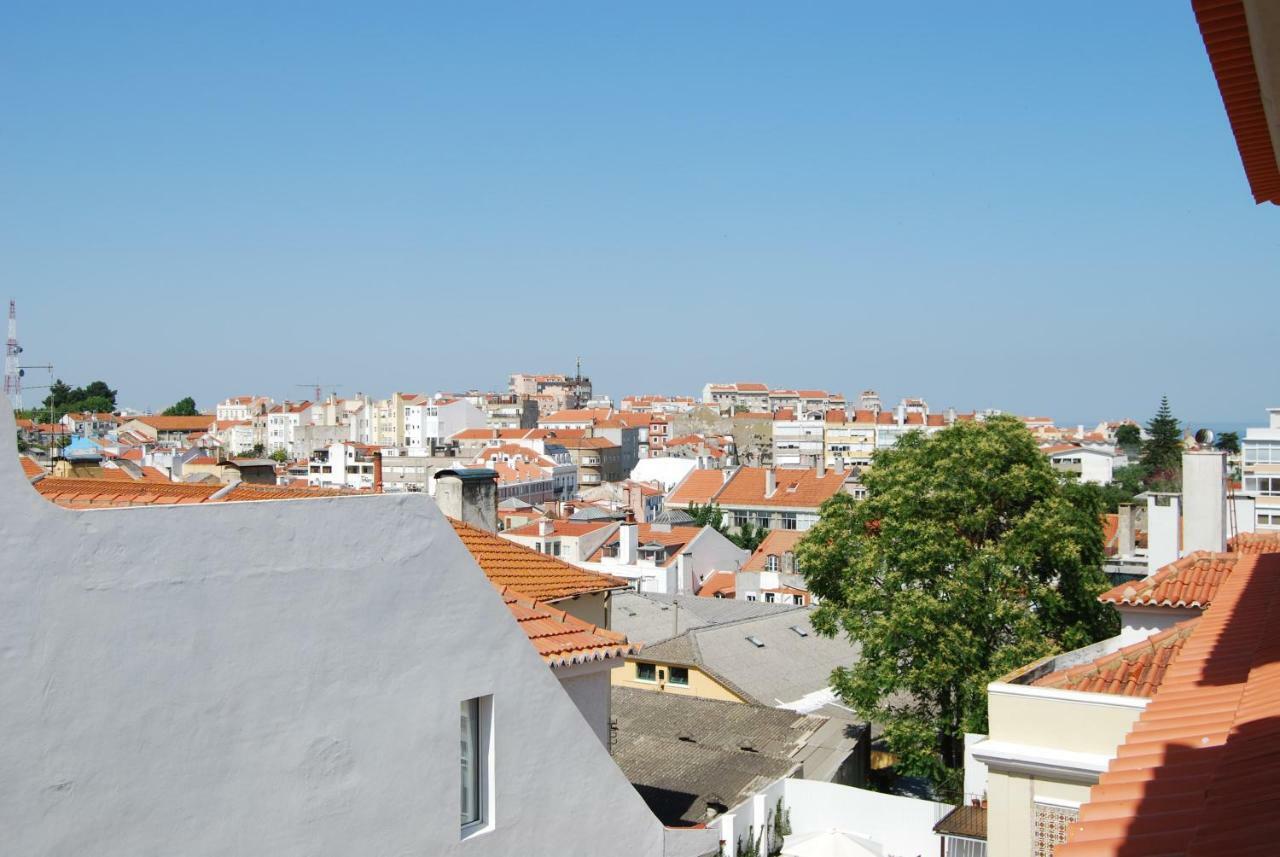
583,415
104,493
203,459
777,542
751,387
647,534
562,639
1225,30
1196,774
502,434
1255,543
586,442
1135,670
29,466
536,575
700,486
561,528
199,422
796,487
718,583
154,474
1192,581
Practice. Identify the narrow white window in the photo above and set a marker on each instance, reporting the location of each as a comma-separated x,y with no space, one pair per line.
475,764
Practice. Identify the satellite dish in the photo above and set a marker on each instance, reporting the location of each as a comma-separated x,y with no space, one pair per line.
1204,437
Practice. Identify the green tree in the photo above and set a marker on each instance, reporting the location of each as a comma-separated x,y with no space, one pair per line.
1125,485
749,536
1229,442
182,408
1129,437
968,557
22,444
279,456
100,390
1162,451
707,515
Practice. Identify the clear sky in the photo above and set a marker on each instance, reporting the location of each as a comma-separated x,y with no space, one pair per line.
1034,206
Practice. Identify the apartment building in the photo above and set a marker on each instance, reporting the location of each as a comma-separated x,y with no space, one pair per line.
776,498
343,465
237,408
1260,471
551,392
429,422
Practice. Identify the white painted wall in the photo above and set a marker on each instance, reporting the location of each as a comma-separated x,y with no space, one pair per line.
588,686
1162,533
904,826
275,677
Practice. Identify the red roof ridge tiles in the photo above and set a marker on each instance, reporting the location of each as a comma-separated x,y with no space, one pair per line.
1135,670
561,638
1255,543
534,574
1192,581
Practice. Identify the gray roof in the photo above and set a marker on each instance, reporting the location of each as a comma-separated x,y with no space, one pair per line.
651,617
714,636
683,753
591,513
674,516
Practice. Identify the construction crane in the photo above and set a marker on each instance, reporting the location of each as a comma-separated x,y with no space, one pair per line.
319,389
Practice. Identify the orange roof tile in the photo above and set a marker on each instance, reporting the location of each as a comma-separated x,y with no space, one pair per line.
718,584
1192,581
562,639
199,422
648,534
536,575
561,528
777,543
1135,670
795,487
30,467
1196,774
95,493
1255,543
1225,30
699,486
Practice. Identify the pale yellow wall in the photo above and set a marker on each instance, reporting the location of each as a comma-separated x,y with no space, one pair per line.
593,608
700,684
1050,723
1075,726
1009,809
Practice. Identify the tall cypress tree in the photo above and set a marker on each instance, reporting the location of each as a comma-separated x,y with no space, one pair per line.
1162,452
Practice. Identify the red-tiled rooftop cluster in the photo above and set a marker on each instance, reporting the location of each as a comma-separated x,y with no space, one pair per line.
562,639
1135,670
1192,581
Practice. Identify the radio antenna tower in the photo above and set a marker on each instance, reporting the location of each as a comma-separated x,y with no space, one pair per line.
12,372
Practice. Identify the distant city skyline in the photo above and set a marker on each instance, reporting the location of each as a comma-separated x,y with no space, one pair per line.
985,207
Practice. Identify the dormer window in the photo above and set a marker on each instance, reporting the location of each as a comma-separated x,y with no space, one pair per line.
771,562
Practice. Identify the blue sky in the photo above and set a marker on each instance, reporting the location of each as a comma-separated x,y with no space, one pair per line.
1031,206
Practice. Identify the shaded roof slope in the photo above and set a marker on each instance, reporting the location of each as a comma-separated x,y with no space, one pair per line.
562,639
1196,775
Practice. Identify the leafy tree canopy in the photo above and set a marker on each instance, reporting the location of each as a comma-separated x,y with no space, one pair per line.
94,397
182,408
1129,436
707,515
280,455
968,557
1228,441
749,536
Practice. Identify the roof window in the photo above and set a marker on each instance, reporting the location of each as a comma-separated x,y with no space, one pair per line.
801,631
756,641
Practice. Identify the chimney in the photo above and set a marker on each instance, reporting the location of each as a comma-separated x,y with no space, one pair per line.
1162,530
469,496
900,414
770,482
1124,532
628,540
377,471
545,527
840,464
1204,497
951,416
822,465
